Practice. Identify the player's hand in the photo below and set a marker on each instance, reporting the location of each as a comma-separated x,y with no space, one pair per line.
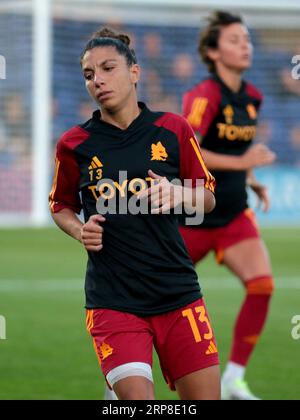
163,196
263,197
92,233
258,155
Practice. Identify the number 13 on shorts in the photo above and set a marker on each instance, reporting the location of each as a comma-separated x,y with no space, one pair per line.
196,316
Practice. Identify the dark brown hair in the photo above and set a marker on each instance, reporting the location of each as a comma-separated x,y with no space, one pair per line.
209,38
106,37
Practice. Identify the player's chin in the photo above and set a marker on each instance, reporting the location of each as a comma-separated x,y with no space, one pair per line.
240,69
245,65
109,105
240,65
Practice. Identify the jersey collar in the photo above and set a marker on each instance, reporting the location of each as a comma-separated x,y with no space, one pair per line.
136,123
227,88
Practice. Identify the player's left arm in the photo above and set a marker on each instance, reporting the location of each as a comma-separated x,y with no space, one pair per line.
164,195
200,193
260,190
196,191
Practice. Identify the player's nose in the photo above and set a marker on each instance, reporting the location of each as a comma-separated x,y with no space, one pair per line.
98,79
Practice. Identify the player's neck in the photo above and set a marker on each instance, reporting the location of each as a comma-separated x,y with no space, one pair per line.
233,80
122,117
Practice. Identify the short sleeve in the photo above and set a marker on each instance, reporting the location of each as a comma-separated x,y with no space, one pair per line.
201,106
192,164
65,187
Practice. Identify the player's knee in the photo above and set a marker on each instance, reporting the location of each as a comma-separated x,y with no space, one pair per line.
134,393
132,381
263,286
272,286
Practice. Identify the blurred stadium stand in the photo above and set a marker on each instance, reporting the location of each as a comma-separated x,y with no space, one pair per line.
168,56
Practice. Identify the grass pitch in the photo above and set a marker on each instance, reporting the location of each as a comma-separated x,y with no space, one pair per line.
49,355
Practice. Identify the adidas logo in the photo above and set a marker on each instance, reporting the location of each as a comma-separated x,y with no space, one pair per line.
212,349
95,163
229,114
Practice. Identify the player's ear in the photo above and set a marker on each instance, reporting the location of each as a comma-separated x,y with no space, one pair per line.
135,73
213,54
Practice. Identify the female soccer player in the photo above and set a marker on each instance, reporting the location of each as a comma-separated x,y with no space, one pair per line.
141,287
223,112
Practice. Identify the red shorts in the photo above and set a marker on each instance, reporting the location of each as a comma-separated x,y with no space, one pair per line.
183,339
200,242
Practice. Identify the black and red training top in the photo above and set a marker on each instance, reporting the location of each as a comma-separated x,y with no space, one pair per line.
144,267
226,123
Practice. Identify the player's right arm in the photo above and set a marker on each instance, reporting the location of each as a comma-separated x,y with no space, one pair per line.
200,108
65,202
68,222
90,234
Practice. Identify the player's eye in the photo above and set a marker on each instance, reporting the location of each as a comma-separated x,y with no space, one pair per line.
234,40
108,68
88,76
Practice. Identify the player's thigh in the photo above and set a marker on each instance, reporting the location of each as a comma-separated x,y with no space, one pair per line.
123,343
198,242
248,259
185,342
201,385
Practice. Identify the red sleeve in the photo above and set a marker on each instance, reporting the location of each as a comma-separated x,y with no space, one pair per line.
201,106
65,188
192,165
256,94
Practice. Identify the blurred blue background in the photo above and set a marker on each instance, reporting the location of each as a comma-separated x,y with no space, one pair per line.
170,63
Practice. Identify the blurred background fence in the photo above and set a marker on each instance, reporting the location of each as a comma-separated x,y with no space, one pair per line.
42,91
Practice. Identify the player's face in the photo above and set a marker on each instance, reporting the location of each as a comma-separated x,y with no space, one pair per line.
108,79
235,49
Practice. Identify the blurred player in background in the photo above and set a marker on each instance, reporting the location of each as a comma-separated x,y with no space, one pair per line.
223,112
141,286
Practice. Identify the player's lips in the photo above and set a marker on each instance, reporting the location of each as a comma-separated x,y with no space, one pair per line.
102,96
246,57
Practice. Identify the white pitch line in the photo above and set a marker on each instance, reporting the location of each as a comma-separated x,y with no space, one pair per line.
75,285
30,286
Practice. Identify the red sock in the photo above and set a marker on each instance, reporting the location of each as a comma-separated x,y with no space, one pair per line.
251,319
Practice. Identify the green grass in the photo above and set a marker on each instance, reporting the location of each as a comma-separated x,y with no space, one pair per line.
48,354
